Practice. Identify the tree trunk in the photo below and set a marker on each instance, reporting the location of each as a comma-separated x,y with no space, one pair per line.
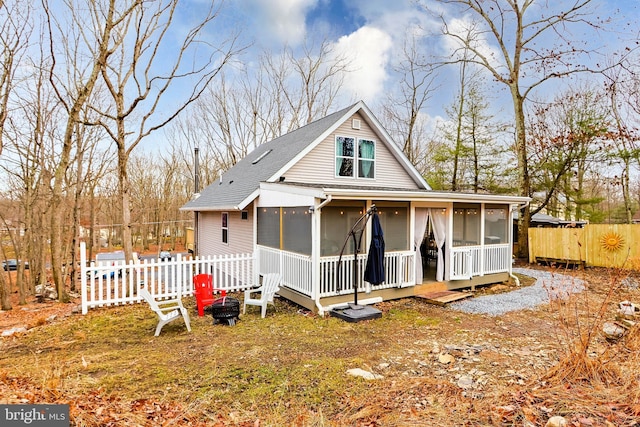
125,195
524,219
625,191
5,302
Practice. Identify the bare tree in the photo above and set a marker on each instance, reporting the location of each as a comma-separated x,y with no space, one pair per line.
15,29
300,87
402,111
142,77
253,106
80,39
622,89
532,46
320,73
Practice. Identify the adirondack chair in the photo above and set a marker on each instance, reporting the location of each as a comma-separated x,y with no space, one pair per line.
270,285
166,310
203,291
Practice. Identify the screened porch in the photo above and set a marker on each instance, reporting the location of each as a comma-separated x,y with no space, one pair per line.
315,255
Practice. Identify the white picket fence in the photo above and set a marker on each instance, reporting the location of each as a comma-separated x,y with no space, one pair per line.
106,283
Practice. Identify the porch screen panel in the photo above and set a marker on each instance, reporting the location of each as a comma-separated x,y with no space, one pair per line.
466,224
335,225
395,226
495,225
269,227
296,230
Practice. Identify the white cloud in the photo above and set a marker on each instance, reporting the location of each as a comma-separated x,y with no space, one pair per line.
278,21
368,50
463,27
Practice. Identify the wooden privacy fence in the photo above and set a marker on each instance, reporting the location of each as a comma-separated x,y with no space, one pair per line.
595,245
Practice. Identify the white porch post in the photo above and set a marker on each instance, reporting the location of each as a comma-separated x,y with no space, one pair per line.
482,241
315,252
448,272
512,208
255,271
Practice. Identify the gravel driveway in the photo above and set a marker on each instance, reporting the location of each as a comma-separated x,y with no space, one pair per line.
548,286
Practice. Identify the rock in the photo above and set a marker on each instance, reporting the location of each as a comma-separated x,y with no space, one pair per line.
13,331
629,283
627,309
357,372
556,421
46,292
446,358
465,381
613,330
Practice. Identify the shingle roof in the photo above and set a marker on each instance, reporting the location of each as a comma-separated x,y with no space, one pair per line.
260,165
541,218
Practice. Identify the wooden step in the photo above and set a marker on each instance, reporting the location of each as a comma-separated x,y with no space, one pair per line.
444,297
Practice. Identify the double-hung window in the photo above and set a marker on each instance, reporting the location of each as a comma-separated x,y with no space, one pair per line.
225,227
366,158
345,156
355,158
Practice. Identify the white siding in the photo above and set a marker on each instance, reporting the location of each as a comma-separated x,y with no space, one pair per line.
240,233
318,166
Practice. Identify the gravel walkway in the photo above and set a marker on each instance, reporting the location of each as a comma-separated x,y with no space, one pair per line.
548,286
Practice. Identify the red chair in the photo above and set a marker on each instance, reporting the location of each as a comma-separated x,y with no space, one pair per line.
203,291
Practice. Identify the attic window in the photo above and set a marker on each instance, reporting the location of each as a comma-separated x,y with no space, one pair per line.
355,158
262,156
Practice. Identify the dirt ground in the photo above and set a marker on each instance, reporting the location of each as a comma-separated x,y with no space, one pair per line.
520,368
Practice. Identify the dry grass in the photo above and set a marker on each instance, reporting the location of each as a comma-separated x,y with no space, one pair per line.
290,368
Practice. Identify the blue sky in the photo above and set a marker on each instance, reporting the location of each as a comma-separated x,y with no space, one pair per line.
372,31
367,30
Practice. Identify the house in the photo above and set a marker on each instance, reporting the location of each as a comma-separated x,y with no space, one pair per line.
292,202
540,220
544,220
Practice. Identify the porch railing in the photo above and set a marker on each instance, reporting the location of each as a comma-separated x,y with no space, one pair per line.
471,261
104,283
399,272
297,271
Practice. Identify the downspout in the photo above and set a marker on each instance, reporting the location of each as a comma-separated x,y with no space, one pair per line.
513,209
323,204
316,258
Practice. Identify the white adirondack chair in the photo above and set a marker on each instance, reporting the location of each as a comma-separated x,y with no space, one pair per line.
270,285
167,310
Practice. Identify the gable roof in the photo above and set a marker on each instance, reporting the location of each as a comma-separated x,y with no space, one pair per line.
240,185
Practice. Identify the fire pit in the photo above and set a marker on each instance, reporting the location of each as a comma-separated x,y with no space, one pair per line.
227,309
